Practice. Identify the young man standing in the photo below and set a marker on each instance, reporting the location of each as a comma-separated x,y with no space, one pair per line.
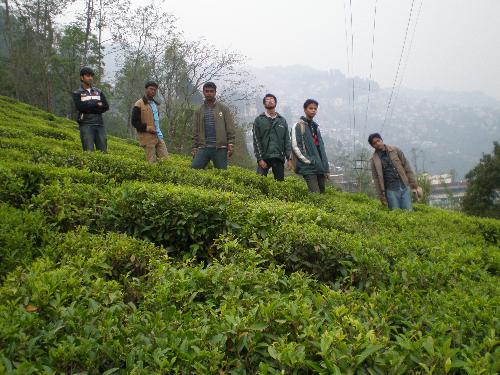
271,140
213,137
91,104
392,174
146,119
309,150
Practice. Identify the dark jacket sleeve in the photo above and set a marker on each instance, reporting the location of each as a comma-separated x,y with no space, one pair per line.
105,105
136,120
90,106
230,132
84,107
257,145
288,143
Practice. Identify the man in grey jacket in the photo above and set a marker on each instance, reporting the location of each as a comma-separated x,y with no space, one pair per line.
392,174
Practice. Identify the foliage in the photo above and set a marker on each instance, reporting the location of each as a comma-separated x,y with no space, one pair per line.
111,265
483,192
424,183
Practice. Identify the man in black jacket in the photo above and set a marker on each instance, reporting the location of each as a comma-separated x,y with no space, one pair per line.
91,104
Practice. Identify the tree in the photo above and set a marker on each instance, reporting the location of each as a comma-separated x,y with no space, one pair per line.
99,14
153,48
424,183
142,36
483,193
31,49
129,87
181,72
70,56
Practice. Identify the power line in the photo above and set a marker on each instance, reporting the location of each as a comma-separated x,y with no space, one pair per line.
348,60
371,70
399,65
406,62
353,96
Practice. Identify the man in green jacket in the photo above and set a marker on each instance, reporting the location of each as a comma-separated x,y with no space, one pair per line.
309,149
271,141
213,137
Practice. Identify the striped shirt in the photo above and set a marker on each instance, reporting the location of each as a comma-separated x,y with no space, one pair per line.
210,136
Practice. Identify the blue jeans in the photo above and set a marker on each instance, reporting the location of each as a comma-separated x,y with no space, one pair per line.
399,199
205,154
93,134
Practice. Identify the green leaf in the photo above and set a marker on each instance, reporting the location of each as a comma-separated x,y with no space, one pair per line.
110,371
367,352
273,352
429,345
447,365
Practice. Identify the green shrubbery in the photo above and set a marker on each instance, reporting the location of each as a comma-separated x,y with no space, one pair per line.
110,265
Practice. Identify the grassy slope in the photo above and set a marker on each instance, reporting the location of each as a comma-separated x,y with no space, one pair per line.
375,291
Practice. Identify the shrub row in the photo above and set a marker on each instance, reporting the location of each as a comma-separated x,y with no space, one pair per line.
22,237
98,303
184,218
187,219
369,216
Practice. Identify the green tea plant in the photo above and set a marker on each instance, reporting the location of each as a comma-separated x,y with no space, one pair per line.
110,265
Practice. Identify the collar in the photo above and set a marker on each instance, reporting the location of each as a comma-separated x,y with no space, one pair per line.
91,88
146,100
306,120
265,114
206,104
387,149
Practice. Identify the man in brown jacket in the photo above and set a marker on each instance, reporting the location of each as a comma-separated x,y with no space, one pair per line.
392,174
213,137
146,119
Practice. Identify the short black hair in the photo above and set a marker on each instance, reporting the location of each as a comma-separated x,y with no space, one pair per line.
209,85
308,102
86,70
151,83
372,136
269,96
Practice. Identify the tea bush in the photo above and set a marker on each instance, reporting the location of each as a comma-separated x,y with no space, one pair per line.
111,265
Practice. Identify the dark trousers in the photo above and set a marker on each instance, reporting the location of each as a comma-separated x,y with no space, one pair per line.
315,182
277,166
91,135
205,154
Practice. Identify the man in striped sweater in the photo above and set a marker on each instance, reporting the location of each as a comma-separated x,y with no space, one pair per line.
213,138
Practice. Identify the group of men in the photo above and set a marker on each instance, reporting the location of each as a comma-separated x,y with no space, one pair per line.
301,147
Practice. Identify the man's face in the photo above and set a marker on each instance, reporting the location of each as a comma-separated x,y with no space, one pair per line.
209,93
311,110
87,79
378,144
151,92
269,102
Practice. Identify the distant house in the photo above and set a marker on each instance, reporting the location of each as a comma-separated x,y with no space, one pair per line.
445,191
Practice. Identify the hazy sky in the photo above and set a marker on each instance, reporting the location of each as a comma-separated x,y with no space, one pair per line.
456,44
